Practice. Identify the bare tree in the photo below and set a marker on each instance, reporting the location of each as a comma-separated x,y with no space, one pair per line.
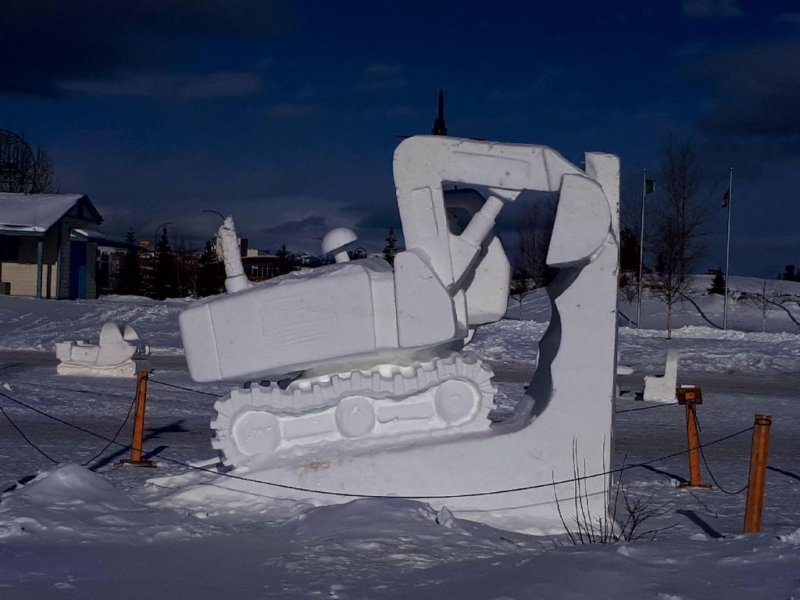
677,241
22,170
629,286
668,281
764,302
43,176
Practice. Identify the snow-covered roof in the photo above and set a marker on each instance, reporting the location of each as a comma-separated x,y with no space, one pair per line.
86,235
36,213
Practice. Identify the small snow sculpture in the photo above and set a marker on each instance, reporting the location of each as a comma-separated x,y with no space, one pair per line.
661,388
113,356
376,395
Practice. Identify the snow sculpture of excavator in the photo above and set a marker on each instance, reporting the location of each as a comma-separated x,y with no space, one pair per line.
353,366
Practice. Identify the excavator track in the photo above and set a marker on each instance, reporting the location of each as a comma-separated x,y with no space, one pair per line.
443,396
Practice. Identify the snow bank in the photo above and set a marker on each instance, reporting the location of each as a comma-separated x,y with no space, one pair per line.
69,501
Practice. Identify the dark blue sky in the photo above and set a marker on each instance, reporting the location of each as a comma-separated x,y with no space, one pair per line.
286,113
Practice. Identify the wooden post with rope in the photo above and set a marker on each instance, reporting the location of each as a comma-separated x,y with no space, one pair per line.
690,396
757,478
137,439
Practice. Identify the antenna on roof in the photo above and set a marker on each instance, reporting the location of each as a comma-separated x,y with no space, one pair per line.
439,127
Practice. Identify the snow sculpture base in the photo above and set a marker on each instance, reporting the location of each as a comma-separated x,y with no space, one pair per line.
662,388
113,356
125,369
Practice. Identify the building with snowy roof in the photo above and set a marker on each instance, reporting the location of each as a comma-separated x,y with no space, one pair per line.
48,245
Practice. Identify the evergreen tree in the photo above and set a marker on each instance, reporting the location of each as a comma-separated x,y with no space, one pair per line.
390,249
790,273
102,274
628,281
628,251
718,283
210,273
165,280
186,266
286,260
129,274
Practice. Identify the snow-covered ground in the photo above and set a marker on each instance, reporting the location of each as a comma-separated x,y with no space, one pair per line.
110,531
29,324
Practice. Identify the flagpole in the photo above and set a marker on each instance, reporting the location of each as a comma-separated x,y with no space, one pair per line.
727,254
641,253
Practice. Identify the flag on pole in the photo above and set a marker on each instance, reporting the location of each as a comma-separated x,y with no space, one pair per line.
726,198
649,186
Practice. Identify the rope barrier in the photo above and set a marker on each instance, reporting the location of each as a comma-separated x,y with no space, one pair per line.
627,318
50,458
26,438
112,440
103,393
116,435
186,389
711,473
380,496
660,405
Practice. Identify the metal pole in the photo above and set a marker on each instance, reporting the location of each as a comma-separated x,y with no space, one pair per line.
758,474
727,255
39,262
641,253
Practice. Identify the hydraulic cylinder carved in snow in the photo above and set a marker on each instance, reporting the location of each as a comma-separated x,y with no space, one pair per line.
378,348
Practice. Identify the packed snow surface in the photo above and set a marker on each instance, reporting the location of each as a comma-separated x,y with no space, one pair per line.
30,324
80,525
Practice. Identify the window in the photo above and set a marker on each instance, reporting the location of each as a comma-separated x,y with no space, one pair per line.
261,271
9,247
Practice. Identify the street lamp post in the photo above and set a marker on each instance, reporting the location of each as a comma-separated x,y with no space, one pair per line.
215,242
214,212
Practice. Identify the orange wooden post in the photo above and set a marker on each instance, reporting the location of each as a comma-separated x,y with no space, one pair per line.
758,474
137,440
694,445
691,396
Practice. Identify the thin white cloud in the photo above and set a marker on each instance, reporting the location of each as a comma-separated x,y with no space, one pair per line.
711,8
223,84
